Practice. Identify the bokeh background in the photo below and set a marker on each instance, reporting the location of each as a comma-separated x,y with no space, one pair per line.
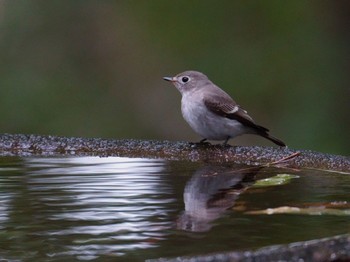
94,68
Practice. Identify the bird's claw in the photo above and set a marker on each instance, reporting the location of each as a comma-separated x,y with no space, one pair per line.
200,144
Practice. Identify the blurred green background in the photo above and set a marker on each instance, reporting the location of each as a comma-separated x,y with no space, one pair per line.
94,68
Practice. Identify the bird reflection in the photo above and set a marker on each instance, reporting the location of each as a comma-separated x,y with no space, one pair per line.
210,192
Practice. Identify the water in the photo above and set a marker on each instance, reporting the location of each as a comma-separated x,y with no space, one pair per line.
122,209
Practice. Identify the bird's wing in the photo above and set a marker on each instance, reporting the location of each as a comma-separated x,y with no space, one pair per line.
226,107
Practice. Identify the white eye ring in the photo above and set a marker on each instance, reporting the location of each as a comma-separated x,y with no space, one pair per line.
185,79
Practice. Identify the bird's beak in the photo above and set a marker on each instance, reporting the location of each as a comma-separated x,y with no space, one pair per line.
171,79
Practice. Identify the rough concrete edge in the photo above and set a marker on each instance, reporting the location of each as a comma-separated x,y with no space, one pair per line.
37,145
335,248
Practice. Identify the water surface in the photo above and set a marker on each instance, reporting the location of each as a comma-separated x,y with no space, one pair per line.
118,209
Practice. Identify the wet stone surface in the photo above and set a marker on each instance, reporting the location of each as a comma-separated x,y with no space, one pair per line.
328,249
35,145
336,248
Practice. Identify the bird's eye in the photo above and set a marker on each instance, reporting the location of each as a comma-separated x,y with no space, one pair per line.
185,79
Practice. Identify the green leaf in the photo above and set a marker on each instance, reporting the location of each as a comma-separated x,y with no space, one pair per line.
280,179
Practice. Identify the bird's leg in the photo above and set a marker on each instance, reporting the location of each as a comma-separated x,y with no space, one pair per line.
201,143
226,141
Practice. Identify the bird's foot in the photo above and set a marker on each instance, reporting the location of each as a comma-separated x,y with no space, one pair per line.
200,143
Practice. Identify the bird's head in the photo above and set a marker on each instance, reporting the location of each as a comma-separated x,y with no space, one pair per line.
188,80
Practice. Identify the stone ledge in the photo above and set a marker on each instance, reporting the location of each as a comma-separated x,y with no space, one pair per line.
37,145
327,249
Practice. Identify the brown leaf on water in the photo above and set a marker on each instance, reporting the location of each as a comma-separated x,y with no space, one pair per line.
320,210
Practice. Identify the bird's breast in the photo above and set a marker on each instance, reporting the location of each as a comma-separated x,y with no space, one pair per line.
193,110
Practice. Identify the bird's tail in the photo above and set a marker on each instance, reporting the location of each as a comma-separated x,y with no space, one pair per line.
273,139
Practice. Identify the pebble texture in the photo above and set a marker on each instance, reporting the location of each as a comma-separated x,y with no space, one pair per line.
36,145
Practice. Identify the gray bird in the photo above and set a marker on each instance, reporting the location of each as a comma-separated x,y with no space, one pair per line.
211,112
